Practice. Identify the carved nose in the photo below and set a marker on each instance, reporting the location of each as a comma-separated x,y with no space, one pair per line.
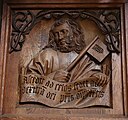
60,35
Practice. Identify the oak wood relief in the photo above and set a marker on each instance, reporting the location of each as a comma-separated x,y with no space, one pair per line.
65,72
63,62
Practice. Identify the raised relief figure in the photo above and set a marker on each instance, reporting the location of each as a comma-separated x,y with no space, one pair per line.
70,76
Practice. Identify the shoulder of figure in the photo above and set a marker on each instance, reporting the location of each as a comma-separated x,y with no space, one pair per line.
47,52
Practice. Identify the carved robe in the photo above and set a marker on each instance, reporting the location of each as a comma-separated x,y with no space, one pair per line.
48,61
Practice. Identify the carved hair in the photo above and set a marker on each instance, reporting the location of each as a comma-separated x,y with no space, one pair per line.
77,37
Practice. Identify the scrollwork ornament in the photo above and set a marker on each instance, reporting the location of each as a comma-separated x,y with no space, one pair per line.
22,23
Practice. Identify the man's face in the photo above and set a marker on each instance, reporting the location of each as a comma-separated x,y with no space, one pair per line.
63,35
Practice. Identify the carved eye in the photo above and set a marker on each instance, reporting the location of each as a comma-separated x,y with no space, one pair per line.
62,31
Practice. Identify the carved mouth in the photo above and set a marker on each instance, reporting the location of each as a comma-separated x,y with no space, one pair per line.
64,42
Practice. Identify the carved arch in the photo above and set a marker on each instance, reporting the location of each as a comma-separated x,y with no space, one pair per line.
107,20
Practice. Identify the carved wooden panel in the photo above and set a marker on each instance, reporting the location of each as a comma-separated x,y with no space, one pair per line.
63,60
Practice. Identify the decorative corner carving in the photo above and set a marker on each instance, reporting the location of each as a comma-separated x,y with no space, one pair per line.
22,23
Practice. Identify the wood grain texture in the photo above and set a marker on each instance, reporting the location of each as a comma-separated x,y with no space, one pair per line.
126,53
3,51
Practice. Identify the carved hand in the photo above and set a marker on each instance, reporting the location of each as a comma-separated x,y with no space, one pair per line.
102,79
62,76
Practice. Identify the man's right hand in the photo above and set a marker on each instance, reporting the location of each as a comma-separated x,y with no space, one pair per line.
62,76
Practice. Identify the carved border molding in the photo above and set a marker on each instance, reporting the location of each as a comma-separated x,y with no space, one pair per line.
107,20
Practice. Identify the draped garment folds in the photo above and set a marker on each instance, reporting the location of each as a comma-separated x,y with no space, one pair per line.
48,61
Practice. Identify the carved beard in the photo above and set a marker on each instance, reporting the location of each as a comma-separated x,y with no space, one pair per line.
66,45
